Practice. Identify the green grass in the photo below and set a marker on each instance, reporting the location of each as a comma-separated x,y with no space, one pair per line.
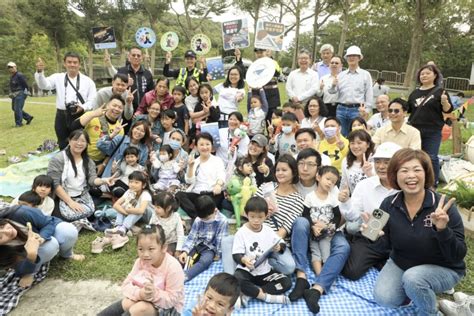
115,265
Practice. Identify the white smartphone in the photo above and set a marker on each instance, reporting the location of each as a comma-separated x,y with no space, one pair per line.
376,223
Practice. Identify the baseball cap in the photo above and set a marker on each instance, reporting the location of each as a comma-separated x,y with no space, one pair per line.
11,64
190,53
260,140
386,150
354,50
259,49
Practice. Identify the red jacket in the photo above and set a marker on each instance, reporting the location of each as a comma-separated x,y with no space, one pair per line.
149,98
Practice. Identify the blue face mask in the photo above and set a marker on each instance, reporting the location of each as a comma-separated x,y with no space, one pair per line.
174,144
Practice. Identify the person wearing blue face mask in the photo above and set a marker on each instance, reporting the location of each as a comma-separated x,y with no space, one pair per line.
285,142
334,144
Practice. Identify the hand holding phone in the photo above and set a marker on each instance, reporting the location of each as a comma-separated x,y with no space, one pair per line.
378,219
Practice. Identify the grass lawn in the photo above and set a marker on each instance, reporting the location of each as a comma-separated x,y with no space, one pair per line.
114,265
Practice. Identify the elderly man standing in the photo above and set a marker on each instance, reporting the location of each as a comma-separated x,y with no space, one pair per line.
354,89
328,81
322,67
18,94
302,83
398,131
75,93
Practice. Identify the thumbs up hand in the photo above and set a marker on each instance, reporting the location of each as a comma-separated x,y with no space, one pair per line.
344,193
40,65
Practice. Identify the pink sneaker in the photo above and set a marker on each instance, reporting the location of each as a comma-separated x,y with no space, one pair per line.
119,241
99,243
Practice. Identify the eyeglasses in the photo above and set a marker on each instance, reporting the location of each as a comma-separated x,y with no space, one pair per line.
307,164
135,55
396,111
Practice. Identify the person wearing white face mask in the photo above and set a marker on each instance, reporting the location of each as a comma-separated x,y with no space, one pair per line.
334,144
168,169
284,142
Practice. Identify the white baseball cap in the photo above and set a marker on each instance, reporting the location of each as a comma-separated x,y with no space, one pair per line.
353,50
11,64
386,150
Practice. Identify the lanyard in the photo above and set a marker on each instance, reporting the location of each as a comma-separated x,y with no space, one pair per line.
78,84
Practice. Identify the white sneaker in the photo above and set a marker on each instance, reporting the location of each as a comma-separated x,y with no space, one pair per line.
456,309
461,297
449,292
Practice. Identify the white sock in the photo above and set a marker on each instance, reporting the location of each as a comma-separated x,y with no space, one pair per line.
276,299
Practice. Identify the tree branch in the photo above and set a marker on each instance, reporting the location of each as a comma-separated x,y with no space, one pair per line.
294,25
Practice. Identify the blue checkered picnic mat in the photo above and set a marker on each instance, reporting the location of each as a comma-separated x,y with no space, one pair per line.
346,297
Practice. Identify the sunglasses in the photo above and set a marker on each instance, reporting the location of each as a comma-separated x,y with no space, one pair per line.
396,111
136,55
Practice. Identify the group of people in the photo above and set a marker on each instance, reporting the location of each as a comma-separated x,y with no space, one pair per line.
301,181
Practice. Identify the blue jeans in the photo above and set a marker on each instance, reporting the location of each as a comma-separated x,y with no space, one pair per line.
339,253
346,115
205,261
420,284
282,263
63,241
430,143
127,220
18,103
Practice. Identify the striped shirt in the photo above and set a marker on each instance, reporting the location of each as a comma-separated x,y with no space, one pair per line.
290,207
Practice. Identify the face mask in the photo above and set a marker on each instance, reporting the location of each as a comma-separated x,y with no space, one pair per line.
174,144
276,121
164,158
286,129
330,132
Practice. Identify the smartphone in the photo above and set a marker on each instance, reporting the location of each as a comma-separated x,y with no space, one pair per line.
376,223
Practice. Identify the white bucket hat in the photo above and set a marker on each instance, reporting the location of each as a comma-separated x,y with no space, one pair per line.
353,50
386,150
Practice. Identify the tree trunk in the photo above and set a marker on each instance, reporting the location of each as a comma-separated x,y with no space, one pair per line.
316,29
90,61
59,61
297,35
257,16
416,46
345,25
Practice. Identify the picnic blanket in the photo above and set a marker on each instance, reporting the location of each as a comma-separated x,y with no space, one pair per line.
345,298
18,178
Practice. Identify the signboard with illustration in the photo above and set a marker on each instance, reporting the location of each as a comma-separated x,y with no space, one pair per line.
269,35
145,37
201,44
235,34
104,37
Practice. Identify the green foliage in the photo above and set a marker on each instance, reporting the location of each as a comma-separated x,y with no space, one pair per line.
462,192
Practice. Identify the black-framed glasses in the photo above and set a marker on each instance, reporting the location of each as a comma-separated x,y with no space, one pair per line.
307,164
396,111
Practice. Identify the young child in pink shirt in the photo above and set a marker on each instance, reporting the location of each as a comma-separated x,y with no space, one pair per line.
156,283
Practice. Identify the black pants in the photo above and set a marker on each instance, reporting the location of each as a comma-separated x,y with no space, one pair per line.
364,255
271,283
187,201
62,127
332,107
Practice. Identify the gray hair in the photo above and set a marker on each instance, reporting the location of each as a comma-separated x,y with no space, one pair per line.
304,51
327,47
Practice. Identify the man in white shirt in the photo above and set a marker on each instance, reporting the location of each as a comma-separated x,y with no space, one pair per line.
328,81
381,118
75,93
302,83
398,131
367,196
323,67
354,91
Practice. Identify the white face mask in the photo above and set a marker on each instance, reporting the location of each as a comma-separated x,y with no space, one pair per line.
164,158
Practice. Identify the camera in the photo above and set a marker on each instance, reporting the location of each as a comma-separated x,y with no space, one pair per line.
377,214
71,107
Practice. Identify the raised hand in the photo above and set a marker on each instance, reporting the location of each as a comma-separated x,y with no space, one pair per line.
367,167
107,60
40,65
130,81
263,168
129,99
237,54
344,193
182,257
339,141
440,217
444,97
168,57
117,129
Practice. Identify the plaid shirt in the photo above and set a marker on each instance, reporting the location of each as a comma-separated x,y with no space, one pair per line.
207,233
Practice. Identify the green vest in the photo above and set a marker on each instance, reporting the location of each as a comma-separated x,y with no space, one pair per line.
183,75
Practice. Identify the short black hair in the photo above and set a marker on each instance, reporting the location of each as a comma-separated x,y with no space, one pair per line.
131,151
333,118
225,284
117,97
309,152
400,101
308,130
163,78
288,116
167,148
153,230
73,55
120,76
206,136
30,197
169,113
179,89
205,206
256,204
278,112
43,180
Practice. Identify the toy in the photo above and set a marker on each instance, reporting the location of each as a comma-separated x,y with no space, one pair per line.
234,187
246,192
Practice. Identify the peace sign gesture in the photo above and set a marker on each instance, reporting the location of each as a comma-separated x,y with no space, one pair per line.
117,129
367,167
129,99
440,217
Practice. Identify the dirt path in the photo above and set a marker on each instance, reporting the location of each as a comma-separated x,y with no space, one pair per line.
57,297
